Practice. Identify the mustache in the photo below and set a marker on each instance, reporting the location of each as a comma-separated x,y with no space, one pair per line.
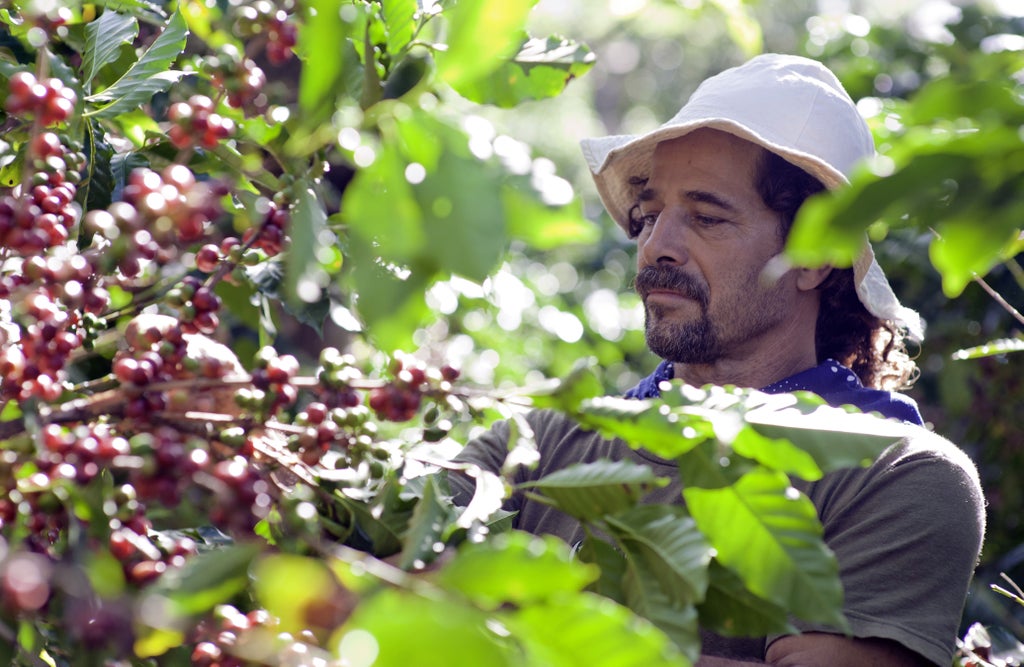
669,278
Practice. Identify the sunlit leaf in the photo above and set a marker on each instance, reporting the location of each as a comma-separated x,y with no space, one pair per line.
569,393
399,23
666,539
770,535
541,69
150,75
964,249
145,10
481,34
432,517
103,39
743,26
532,569
308,221
288,585
991,349
384,624
545,227
590,630
645,423
325,31
833,437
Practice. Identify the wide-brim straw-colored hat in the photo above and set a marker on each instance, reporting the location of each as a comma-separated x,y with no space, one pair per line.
792,106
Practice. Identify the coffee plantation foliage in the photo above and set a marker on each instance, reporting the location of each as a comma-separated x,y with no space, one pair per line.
231,232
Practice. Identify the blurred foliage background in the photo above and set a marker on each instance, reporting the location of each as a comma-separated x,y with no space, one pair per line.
548,307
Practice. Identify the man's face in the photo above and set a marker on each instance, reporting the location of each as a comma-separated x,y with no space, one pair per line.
706,238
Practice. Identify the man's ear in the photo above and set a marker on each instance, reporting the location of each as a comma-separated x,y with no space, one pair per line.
811,279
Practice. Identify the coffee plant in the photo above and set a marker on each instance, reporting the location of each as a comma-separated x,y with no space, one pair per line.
182,485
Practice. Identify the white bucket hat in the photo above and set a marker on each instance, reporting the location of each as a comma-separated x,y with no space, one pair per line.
792,106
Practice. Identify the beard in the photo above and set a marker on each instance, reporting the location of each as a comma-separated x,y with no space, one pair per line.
692,342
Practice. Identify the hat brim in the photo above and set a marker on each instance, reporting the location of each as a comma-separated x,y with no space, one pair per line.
616,160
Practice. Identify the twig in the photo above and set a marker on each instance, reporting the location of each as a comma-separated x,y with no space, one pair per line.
999,299
1015,271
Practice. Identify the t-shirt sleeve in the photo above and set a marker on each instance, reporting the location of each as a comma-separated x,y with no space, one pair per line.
488,451
907,534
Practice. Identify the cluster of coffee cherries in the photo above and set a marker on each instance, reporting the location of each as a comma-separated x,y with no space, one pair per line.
43,219
37,491
196,122
238,76
270,236
231,638
33,366
263,17
400,399
272,387
48,100
142,558
172,204
197,305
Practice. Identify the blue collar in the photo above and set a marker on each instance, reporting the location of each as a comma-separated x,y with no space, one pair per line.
834,382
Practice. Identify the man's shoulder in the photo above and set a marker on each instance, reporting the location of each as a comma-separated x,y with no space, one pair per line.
922,444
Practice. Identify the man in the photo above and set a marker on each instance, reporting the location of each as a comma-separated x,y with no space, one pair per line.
709,197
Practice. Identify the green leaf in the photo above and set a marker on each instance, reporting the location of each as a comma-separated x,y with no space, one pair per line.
380,192
267,277
206,580
742,25
833,437
646,596
589,491
481,34
590,630
769,534
645,423
545,227
463,216
532,569
150,75
569,393
431,519
384,625
776,454
541,69
287,586
612,564
666,539
991,349
103,39
308,221
144,10
97,185
399,23
391,301
964,249
733,611
324,31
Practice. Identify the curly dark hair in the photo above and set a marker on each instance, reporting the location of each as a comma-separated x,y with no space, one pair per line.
873,348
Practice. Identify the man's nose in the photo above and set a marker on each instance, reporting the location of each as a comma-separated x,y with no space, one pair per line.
665,244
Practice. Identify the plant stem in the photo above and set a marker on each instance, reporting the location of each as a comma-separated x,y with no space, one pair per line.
999,299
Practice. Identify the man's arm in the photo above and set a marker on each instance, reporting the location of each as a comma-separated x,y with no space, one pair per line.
819,649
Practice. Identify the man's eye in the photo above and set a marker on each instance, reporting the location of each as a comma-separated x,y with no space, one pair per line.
648,219
707,220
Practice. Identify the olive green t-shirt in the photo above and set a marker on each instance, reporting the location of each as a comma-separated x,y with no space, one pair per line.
906,530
